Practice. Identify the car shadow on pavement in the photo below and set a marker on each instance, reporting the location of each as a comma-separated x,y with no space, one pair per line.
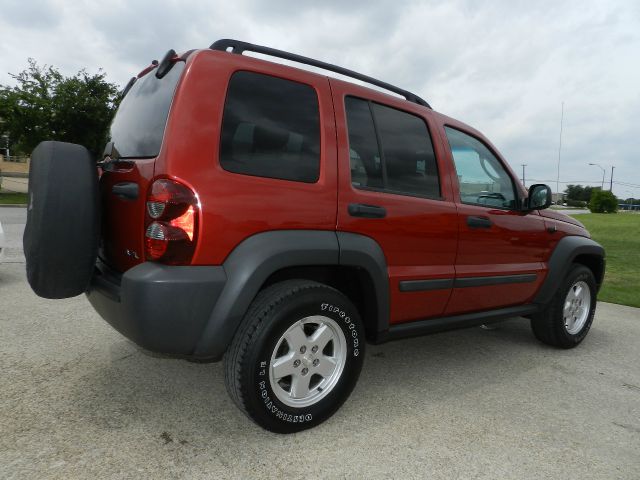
188,402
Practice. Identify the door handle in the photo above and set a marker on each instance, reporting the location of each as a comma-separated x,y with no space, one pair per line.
366,211
478,222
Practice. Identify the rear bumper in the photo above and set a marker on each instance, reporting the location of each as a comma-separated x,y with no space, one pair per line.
161,308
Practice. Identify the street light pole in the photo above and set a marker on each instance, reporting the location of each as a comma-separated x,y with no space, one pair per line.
523,178
603,173
559,151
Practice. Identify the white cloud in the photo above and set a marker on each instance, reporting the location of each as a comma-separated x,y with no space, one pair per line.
502,66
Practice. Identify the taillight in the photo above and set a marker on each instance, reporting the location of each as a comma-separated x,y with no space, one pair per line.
172,223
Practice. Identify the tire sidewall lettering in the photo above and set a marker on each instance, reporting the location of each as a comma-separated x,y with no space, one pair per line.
346,321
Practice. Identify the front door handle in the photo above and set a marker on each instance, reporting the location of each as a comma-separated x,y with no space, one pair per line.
478,222
366,211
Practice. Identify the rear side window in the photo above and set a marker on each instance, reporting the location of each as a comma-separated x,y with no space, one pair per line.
271,128
399,159
138,126
366,166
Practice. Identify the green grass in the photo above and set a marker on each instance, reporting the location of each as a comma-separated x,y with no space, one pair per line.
8,198
619,234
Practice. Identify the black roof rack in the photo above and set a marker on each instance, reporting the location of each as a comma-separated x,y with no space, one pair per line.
237,46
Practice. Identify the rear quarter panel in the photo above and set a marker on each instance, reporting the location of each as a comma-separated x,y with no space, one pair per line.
235,206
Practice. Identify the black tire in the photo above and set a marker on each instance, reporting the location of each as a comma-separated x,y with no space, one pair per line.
549,325
61,235
247,361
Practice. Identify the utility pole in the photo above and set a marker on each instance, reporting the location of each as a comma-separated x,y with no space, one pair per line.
611,180
559,150
523,180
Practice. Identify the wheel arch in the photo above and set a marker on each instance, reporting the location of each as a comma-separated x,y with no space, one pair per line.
594,263
354,282
569,250
351,263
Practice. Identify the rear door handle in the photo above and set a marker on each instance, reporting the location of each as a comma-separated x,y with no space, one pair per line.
366,211
478,222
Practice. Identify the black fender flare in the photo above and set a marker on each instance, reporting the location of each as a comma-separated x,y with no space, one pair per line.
564,254
364,252
256,258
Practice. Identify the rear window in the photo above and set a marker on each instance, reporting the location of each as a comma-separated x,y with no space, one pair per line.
271,128
390,150
138,126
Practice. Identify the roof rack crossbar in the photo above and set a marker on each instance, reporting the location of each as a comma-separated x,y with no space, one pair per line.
238,47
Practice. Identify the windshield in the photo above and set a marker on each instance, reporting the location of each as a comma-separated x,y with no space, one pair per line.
138,126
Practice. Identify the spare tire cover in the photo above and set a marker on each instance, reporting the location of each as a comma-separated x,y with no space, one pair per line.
62,232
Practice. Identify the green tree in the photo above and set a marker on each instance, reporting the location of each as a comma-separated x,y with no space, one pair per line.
579,193
586,193
45,105
603,202
574,192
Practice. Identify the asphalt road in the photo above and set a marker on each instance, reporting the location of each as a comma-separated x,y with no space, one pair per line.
77,400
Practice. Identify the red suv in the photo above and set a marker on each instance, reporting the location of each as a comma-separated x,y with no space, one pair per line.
282,219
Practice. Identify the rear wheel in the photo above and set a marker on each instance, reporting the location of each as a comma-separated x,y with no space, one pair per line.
566,321
296,357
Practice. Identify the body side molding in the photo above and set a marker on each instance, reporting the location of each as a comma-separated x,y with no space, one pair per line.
464,282
425,285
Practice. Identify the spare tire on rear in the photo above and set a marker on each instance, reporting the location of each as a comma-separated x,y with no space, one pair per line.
61,236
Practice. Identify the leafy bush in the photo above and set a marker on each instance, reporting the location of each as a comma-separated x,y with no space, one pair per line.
603,202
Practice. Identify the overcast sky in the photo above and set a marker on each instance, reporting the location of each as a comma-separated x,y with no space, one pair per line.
502,66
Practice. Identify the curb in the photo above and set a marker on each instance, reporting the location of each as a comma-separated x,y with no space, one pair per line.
13,205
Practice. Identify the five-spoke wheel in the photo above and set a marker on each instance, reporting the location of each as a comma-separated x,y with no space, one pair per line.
307,361
576,307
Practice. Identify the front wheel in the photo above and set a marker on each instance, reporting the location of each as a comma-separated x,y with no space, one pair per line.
566,321
296,356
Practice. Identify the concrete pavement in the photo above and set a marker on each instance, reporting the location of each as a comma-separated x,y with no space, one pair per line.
13,220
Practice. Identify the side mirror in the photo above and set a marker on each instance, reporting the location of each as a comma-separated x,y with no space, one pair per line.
539,197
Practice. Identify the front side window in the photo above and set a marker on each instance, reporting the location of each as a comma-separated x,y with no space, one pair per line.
271,128
481,177
399,159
